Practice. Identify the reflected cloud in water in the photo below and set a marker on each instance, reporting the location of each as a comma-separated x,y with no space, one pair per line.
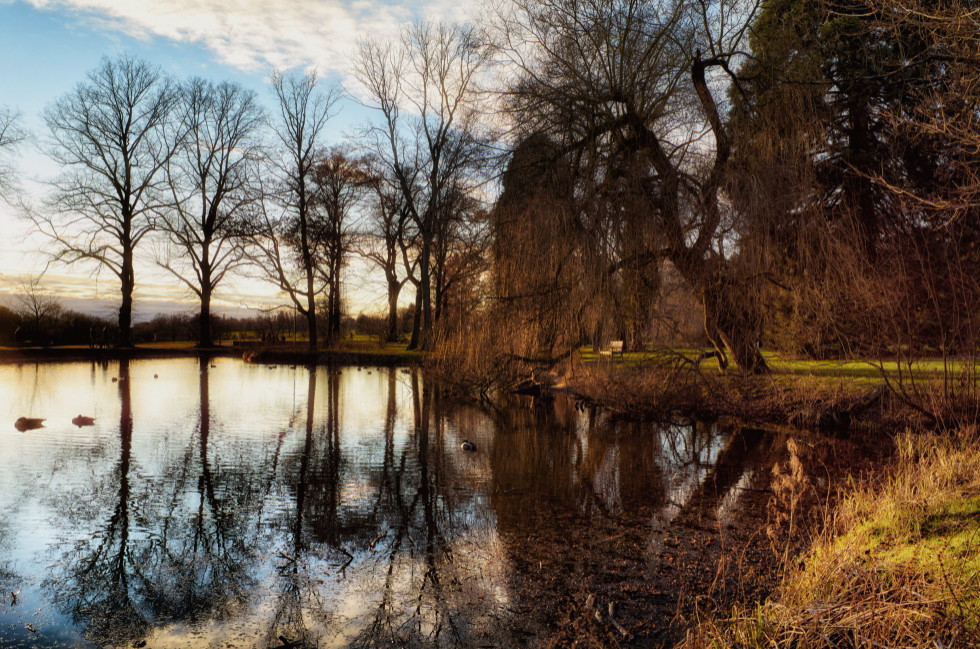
246,506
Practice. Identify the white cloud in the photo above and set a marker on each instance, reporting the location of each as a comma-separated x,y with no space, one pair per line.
256,34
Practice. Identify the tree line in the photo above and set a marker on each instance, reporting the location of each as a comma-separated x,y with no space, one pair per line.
807,169
199,171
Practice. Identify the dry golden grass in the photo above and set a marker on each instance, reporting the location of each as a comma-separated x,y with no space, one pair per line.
898,564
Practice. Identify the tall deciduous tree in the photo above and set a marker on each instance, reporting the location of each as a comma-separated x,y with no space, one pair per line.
386,239
209,182
302,116
280,228
39,307
424,86
113,135
340,181
631,91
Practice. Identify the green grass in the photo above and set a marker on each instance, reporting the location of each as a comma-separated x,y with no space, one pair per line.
869,372
898,564
369,345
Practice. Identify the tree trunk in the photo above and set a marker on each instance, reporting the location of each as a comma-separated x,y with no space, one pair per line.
304,239
311,314
439,293
205,338
128,281
732,326
416,321
394,288
862,158
426,295
334,310
328,303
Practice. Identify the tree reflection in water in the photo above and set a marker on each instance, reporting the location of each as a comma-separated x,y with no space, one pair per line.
158,559
392,573
330,532
579,501
197,563
9,579
99,585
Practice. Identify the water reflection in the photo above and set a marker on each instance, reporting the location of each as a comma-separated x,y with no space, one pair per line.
236,505
96,582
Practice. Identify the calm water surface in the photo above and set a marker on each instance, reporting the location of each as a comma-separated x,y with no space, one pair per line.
222,504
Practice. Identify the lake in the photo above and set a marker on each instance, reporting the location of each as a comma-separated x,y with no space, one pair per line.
214,503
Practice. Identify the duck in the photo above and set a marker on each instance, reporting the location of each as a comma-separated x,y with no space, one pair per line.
82,420
28,423
467,445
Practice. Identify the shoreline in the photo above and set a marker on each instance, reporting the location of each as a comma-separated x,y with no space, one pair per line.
834,423
286,356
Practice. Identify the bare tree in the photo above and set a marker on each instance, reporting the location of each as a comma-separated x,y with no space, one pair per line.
37,306
113,135
630,90
282,237
341,182
385,240
460,241
424,86
209,185
12,136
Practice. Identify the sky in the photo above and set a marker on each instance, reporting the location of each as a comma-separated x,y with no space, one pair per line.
48,46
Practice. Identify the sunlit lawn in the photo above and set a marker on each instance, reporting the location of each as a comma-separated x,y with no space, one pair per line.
870,371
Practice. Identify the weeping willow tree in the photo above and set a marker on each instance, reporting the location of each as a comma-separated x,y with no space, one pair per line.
632,94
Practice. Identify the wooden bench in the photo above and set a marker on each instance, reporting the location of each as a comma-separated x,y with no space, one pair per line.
615,347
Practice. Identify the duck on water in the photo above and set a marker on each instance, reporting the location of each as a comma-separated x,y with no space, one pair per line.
28,423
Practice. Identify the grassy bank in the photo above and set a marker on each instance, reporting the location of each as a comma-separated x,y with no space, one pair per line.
869,371
896,561
801,400
885,396
897,564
